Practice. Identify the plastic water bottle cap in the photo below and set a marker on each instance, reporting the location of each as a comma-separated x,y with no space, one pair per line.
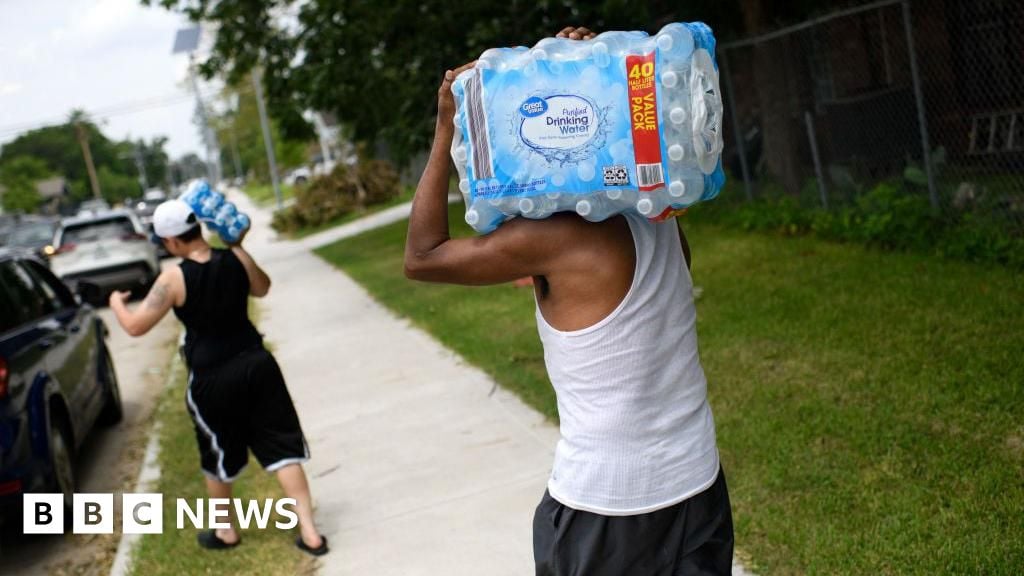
583,208
664,42
615,194
460,154
675,152
472,217
676,188
677,115
645,206
553,195
539,54
669,79
525,205
600,48
464,186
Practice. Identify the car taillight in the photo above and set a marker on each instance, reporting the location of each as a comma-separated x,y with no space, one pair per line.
65,248
4,377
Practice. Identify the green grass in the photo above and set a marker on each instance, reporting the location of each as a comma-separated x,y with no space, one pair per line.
869,405
269,552
263,194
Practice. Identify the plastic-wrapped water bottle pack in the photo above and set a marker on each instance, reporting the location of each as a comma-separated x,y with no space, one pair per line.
218,214
622,122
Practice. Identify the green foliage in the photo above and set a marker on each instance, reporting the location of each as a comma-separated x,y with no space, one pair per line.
18,176
116,187
377,65
58,149
242,128
885,216
329,197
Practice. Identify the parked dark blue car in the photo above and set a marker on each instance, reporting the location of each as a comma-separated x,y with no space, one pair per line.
57,379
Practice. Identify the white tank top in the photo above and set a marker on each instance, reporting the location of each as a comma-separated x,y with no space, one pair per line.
637,434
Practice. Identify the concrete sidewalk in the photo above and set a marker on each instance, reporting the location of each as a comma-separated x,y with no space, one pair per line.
419,465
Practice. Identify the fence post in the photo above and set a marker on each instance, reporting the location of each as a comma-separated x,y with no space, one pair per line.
740,145
922,119
812,138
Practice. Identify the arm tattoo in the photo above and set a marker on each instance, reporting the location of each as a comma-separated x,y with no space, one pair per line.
157,297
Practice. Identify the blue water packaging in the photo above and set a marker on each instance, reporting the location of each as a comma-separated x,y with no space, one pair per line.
622,122
218,214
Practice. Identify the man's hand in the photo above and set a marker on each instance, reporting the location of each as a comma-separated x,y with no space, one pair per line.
118,297
574,33
445,99
241,237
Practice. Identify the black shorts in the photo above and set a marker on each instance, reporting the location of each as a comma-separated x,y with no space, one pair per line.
244,405
693,537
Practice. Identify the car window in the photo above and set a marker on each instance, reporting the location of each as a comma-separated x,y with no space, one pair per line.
28,304
31,234
98,230
54,289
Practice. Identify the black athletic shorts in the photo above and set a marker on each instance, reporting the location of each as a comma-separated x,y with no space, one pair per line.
693,537
244,405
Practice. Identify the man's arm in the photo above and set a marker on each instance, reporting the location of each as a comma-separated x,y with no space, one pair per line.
520,247
513,251
259,282
162,296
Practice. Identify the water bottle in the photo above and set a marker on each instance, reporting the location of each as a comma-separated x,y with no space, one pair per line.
219,215
577,143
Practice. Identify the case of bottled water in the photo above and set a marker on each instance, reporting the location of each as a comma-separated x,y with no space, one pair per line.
218,214
621,122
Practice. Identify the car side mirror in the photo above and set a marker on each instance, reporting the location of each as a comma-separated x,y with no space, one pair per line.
88,292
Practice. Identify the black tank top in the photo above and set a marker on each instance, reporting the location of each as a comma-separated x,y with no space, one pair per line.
216,314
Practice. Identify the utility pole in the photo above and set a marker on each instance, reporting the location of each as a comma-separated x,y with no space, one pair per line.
210,137
140,165
235,156
83,141
257,85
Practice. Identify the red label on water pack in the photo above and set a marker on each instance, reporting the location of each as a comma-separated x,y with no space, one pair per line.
643,119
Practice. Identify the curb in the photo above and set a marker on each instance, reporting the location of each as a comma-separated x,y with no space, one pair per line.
149,474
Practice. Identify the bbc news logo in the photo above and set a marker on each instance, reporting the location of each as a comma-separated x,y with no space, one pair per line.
144,513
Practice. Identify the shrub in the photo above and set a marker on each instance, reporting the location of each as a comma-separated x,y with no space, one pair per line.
887,216
331,196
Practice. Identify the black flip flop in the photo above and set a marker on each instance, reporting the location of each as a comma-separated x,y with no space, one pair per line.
318,551
210,541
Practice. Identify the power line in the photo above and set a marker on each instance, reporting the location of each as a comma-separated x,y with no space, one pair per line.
124,108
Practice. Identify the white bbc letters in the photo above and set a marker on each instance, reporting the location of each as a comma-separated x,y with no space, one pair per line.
43,514
93,514
142,514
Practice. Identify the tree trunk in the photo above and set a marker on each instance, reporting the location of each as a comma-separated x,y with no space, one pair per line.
777,99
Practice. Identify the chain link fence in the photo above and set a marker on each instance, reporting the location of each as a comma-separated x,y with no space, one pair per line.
924,95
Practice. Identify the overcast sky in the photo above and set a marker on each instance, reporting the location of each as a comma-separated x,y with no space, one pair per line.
98,55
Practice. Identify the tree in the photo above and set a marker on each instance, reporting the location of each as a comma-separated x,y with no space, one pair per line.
18,176
242,126
376,65
57,148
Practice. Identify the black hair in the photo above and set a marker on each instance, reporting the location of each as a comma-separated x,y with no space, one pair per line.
194,233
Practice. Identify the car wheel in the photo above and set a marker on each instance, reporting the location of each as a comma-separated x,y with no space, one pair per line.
61,460
112,411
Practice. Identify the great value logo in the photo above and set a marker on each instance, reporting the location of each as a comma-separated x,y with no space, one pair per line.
144,513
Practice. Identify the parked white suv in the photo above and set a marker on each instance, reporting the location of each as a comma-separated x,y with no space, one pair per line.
109,249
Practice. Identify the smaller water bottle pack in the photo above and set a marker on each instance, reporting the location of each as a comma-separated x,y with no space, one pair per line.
622,122
219,215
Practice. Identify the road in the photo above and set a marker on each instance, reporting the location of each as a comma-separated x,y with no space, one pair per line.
108,462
